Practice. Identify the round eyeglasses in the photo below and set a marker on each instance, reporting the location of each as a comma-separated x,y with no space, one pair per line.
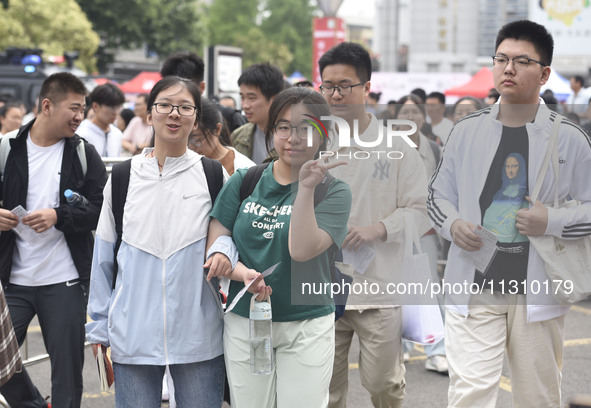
285,130
183,110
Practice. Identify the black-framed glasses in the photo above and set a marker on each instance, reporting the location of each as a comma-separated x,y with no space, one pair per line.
343,89
284,130
183,110
520,63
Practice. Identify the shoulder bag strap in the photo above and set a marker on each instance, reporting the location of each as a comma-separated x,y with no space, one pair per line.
552,146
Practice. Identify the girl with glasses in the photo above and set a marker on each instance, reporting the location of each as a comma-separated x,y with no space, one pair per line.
161,311
296,235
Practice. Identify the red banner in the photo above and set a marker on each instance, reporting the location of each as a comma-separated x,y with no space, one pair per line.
328,32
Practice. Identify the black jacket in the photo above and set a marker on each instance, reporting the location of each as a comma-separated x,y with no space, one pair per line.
77,224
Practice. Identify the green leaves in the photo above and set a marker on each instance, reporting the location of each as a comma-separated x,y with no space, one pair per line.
163,27
55,26
278,31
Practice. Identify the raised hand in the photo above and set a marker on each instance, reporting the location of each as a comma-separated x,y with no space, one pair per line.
314,171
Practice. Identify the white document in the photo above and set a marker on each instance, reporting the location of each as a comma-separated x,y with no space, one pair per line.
25,232
244,289
482,258
359,258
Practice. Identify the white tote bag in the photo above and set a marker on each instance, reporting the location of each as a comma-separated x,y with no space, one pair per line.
421,316
568,261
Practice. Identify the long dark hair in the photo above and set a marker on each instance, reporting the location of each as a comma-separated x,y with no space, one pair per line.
210,117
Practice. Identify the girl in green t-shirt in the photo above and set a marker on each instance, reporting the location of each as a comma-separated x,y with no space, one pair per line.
279,224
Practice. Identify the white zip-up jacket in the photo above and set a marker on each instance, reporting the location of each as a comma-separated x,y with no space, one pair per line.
457,184
162,310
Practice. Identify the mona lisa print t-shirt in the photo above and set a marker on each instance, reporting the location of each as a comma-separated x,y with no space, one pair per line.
503,195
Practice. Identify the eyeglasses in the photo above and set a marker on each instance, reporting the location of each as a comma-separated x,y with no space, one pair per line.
196,142
343,89
285,130
183,110
520,63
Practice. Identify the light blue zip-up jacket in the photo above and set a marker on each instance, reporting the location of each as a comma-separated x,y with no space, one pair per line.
162,310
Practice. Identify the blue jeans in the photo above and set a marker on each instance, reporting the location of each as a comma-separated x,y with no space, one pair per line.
195,385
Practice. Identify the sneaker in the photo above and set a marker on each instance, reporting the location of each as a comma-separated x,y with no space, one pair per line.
437,363
406,357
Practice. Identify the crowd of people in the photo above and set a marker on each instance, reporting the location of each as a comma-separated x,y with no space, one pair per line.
159,248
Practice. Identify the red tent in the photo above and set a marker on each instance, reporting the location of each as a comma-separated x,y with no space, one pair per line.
477,87
141,83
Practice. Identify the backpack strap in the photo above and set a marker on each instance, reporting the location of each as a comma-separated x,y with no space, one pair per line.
436,151
322,188
119,184
5,150
250,180
81,151
254,173
214,174
319,194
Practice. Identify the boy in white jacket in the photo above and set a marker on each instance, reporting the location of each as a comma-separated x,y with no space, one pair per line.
490,164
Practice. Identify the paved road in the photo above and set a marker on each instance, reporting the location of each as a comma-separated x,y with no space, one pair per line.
424,388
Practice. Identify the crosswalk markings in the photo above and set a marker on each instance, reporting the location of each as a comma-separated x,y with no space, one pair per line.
581,309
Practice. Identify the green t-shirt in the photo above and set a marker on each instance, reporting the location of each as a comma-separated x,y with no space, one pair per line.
260,229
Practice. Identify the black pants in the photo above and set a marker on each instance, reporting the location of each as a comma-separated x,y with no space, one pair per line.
61,310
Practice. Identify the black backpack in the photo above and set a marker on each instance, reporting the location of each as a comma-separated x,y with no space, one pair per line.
214,175
335,254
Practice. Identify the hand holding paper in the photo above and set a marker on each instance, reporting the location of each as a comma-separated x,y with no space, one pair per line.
482,258
26,232
8,220
267,272
105,369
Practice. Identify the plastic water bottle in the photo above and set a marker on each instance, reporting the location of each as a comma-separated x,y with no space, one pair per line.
261,337
75,199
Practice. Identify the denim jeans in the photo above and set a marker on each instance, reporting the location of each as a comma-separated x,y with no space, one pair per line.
195,385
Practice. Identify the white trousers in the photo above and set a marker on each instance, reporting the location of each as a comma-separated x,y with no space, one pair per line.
304,354
476,345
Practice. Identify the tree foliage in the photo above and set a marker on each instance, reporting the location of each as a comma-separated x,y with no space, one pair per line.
257,48
279,31
289,22
230,18
173,26
164,27
55,26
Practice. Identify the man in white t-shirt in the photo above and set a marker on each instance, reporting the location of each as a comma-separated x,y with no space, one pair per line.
578,101
45,269
100,131
435,106
389,194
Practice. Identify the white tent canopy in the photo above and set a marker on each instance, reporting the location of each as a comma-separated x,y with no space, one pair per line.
559,85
